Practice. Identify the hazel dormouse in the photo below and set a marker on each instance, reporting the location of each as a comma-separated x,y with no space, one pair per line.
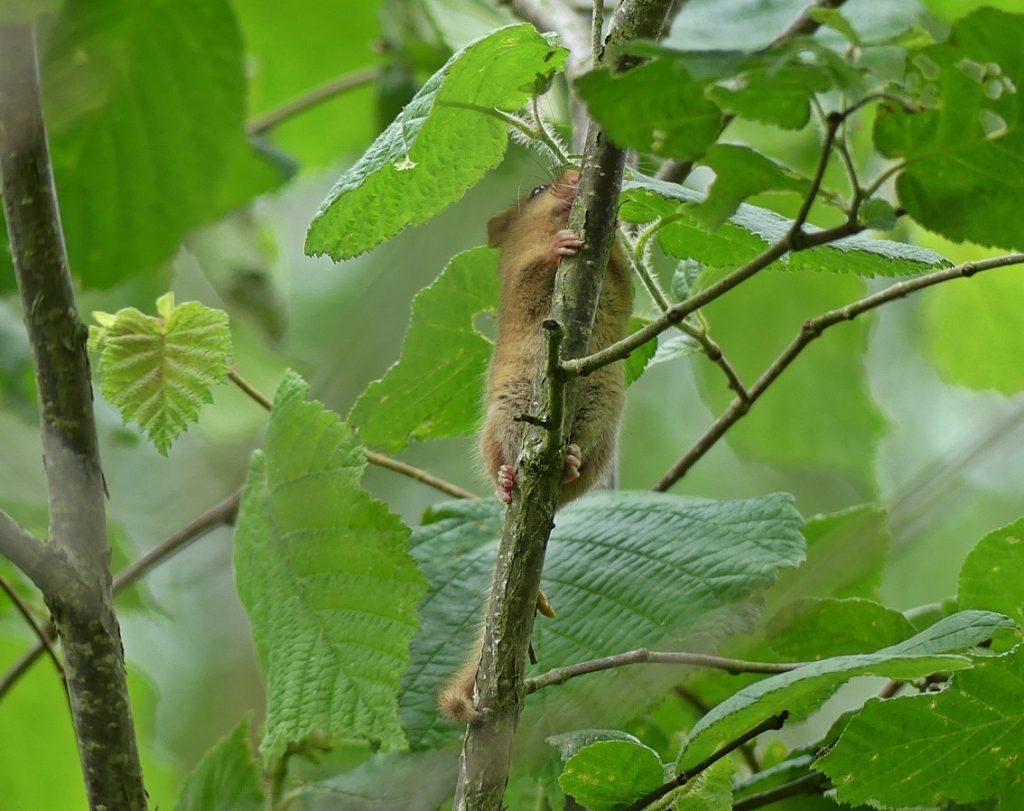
533,239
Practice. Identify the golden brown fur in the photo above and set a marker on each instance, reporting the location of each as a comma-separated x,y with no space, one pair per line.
525,233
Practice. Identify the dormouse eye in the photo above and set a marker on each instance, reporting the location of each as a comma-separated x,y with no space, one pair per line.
539,190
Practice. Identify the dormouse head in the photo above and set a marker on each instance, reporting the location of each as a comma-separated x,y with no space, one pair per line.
547,203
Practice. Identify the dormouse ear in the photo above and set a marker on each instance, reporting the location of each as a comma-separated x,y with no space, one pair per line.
498,225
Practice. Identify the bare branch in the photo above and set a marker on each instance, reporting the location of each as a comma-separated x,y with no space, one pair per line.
811,330
37,629
775,722
27,552
644,656
813,783
335,87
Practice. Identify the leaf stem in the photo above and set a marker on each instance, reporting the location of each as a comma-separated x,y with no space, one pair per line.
809,331
318,95
775,722
812,783
559,675
373,457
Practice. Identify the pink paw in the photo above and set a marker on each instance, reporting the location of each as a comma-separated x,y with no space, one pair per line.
573,460
565,243
506,483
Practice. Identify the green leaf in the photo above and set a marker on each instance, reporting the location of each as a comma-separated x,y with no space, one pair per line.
323,572
159,370
772,94
711,790
226,779
658,107
961,745
615,568
975,79
133,172
846,552
740,172
966,334
992,573
812,629
751,230
800,691
640,358
459,22
609,775
834,19
569,743
435,388
288,56
437,148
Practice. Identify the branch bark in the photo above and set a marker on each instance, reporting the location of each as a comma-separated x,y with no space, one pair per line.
809,331
77,587
500,689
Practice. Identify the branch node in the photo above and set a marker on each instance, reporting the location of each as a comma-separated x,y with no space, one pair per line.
532,419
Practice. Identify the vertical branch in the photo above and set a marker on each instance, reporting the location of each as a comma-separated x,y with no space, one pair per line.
500,688
77,586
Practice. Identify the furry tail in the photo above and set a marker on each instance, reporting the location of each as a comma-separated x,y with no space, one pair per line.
455,699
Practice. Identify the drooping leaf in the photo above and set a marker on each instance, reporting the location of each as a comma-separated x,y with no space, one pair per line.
812,629
435,388
976,79
740,172
751,230
609,775
158,370
640,358
913,751
323,572
658,108
437,148
226,779
711,790
133,173
800,691
773,94
616,569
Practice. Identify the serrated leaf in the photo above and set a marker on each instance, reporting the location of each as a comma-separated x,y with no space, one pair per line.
409,173
226,779
711,790
993,571
323,572
658,107
609,775
812,629
912,751
615,567
133,175
800,691
977,77
773,94
751,230
569,743
158,371
434,390
740,172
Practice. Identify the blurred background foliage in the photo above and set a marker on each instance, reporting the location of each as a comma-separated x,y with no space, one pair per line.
914,408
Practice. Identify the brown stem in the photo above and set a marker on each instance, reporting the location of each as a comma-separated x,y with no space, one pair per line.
813,783
37,629
77,584
374,457
318,95
775,722
559,675
812,329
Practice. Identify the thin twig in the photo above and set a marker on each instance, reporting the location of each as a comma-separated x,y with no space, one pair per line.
832,123
812,329
690,697
813,783
422,476
775,722
37,629
307,101
223,513
596,29
379,459
643,656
